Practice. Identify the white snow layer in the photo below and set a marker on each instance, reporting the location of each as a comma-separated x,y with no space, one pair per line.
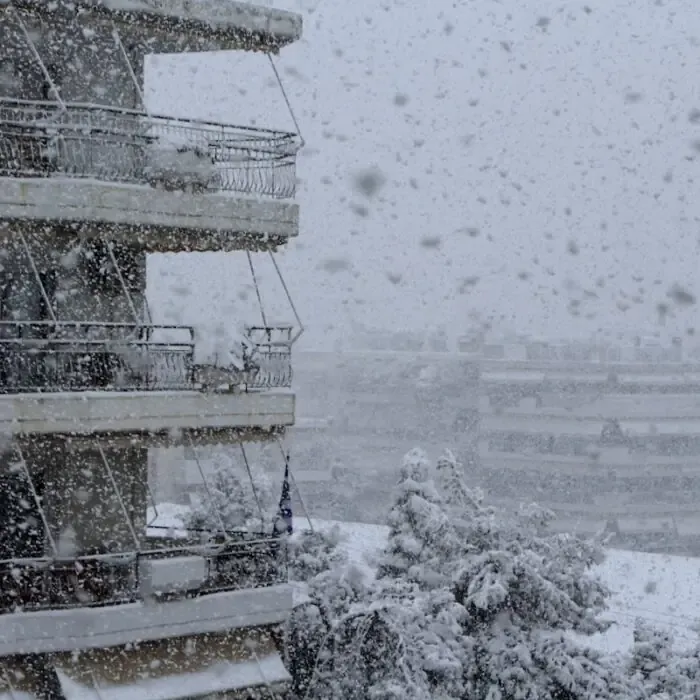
219,346
210,11
219,678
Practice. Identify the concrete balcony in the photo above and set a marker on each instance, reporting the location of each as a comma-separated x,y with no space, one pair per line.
83,379
165,417
109,600
164,184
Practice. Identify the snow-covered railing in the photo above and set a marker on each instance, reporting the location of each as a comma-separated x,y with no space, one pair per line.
96,580
55,356
49,356
270,356
39,139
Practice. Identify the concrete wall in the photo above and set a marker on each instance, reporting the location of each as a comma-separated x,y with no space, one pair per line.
75,490
85,61
78,492
79,279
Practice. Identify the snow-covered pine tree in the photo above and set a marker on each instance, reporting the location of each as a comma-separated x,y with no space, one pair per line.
232,501
405,638
651,656
332,588
397,642
662,672
524,591
422,542
312,552
466,606
452,486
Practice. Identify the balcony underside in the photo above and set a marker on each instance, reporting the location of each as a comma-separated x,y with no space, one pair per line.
159,221
165,415
208,26
94,628
207,665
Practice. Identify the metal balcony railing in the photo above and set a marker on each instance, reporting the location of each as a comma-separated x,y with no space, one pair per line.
112,579
271,357
41,139
54,357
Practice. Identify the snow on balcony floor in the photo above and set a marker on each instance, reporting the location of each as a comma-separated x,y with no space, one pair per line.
219,678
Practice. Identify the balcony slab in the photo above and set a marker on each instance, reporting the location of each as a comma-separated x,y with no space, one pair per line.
54,631
159,412
226,25
157,220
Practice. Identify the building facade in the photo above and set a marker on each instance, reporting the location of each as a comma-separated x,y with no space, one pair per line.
607,437
91,182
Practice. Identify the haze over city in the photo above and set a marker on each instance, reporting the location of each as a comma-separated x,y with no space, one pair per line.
531,163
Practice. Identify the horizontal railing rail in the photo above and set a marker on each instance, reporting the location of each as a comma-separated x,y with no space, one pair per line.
54,357
115,579
41,139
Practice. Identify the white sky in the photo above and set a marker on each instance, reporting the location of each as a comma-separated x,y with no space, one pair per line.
559,132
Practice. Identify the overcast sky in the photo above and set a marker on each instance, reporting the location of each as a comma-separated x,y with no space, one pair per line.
538,164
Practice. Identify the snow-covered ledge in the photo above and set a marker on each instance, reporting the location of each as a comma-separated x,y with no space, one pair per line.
158,220
93,628
207,19
155,412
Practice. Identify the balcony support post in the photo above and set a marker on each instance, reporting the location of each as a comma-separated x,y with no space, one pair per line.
10,686
252,485
132,73
96,686
263,677
301,328
37,500
118,493
37,56
302,143
222,525
132,307
257,289
37,277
